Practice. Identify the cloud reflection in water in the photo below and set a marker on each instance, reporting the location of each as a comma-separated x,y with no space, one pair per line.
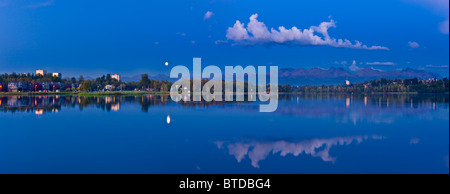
259,150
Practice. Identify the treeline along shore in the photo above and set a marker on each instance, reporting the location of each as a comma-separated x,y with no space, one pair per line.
28,84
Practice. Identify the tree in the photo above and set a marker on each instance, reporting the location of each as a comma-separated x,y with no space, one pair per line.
145,81
67,86
85,86
2,87
36,86
108,79
56,87
81,79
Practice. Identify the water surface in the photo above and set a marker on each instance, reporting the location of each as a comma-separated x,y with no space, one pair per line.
152,134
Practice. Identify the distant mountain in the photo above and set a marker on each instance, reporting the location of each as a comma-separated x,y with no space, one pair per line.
318,76
130,78
163,77
87,78
154,77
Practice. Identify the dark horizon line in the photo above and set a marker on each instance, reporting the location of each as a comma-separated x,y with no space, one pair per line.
288,68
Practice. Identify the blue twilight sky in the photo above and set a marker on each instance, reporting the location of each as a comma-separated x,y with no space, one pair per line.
133,37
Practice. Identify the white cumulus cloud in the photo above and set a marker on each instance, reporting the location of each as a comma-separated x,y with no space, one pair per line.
354,67
208,15
381,63
437,66
220,42
413,44
41,4
342,62
257,32
443,27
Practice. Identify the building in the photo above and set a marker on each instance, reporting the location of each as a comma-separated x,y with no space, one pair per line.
46,86
347,82
57,75
41,72
115,76
18,86
109,88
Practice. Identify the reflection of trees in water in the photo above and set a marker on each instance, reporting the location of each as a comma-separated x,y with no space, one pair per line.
383,108
55,103
154,100
259,150
301,104
37,104
398,98
147,101
188,101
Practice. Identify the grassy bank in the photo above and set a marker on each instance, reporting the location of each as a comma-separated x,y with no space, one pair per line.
140,93
122,93
118,93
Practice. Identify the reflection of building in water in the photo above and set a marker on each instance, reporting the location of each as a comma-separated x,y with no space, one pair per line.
361,108
414,140
345,108
39,111
115,107
36,104
110,99
259,150
12,101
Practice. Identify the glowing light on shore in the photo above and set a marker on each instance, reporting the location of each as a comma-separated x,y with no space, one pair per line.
166,63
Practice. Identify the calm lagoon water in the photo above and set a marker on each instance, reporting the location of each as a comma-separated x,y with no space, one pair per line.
152,134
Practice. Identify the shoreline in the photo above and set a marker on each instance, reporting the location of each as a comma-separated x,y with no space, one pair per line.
118,93
139,93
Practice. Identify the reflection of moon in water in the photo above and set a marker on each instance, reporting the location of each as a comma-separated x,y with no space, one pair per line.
166,63
168,119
